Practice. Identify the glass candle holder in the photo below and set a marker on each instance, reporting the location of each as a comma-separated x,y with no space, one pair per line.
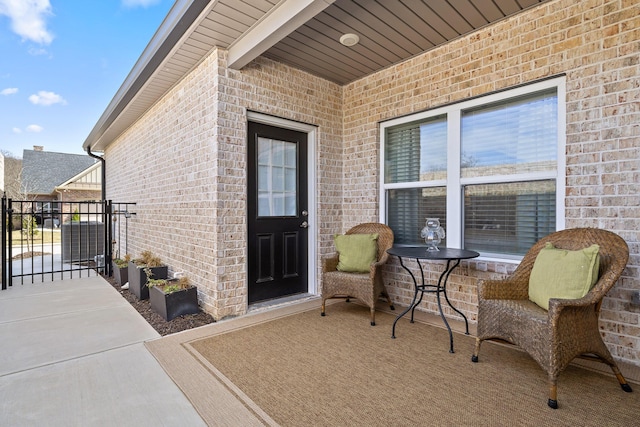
432,233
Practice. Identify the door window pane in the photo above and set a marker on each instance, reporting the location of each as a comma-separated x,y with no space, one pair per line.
290,155
290,180
263,177
277,178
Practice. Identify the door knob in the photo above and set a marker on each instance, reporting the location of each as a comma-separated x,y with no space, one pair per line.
305,224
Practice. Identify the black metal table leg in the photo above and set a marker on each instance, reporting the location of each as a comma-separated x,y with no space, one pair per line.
466,322
413,302
420,289
442,288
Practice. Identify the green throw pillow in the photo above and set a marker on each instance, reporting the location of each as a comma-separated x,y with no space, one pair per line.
356,251
559,273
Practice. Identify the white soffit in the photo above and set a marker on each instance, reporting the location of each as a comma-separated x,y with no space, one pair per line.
285,18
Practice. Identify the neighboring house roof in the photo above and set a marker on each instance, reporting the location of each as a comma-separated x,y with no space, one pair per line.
43,171
303,33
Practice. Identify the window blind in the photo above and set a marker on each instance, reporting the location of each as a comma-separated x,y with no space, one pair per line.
416,151
513,136
508,218
409,209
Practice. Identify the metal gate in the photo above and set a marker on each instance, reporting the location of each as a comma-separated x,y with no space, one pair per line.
44,240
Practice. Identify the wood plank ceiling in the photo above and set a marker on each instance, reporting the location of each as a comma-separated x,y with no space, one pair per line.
390,32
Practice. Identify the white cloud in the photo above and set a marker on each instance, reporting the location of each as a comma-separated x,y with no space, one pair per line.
9,91
38,51
30,129
28,18
139,3
47,98
34,128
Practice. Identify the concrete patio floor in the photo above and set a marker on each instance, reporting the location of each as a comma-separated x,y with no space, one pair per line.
73,355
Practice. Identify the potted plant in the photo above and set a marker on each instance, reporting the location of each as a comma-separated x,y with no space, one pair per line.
121,269
173,298
148,266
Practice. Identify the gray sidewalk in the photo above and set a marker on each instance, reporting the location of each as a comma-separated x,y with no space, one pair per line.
72,354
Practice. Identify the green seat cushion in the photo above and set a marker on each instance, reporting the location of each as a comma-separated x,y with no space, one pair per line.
560,273
356,251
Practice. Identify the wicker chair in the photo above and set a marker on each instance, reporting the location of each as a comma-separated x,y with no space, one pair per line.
570,328
366,287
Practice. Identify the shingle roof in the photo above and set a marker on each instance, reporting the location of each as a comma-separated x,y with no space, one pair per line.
42,171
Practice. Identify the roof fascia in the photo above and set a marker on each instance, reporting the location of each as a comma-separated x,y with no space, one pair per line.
282,20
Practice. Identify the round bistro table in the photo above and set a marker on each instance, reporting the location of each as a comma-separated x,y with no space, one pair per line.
420,253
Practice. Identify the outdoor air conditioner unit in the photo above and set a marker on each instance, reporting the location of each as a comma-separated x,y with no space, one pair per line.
82,241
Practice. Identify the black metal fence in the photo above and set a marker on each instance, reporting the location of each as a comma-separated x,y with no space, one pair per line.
50,240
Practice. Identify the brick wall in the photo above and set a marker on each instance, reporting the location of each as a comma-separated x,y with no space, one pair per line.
166,164
184,164
268,87
596,44
80,196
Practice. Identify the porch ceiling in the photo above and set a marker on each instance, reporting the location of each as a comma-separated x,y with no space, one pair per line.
302,33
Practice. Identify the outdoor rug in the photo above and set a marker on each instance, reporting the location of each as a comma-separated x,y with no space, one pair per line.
293,367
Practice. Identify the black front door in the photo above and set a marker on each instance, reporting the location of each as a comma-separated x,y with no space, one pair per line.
276,212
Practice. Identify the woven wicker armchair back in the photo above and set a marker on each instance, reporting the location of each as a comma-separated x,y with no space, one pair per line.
366,287
569,328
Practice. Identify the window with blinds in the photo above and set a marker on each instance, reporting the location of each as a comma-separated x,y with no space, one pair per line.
487,167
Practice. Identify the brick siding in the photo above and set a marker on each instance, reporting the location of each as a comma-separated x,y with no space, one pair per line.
184,164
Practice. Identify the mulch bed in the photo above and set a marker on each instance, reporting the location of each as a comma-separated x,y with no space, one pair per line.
180,323
25,255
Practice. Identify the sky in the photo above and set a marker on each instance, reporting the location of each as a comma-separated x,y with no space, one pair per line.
61,63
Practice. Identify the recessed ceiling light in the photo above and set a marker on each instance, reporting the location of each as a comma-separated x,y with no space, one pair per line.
349,39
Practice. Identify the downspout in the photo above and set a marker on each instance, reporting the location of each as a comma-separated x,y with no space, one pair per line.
106,220
104,172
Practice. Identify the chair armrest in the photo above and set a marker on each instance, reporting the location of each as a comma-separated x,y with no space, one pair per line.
503,289
556,305
571,315
330,263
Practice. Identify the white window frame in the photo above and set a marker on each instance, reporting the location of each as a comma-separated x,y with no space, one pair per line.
454,183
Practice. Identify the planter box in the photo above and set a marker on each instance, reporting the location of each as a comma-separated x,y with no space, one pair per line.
120,274
170,306
138,278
